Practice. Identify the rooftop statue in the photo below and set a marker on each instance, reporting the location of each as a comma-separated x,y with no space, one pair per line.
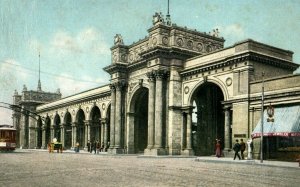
118,39
158,18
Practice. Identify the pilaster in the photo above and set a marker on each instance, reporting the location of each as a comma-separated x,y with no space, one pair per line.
151,112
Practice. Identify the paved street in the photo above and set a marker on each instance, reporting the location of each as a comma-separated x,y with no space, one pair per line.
39,168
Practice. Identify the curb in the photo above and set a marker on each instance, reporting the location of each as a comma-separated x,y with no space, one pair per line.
246,162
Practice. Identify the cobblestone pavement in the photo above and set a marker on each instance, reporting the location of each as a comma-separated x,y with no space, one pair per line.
70,169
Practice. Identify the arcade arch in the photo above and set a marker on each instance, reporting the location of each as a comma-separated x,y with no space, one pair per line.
95,128
47,130
68,131
208,118
80,129
138,122
39,133
56,126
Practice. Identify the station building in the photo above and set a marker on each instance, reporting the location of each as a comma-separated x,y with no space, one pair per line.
174,93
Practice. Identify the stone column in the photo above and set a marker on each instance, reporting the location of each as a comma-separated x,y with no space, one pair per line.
62,134
183,132
118,114
74,134
103,124
160,75
188,132
44,143
87,133
37,137
105,133
151,114
227,128
112,117
51,133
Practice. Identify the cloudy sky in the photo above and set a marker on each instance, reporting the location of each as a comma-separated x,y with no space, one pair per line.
74,36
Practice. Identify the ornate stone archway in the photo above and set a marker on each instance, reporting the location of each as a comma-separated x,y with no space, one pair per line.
138,121
209,118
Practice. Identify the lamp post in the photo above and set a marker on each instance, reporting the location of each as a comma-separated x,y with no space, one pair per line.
262,120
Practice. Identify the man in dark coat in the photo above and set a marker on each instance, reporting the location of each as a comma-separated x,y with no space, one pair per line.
88,145
236,148
243,148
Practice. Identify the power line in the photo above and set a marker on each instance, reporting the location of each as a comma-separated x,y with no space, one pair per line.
52,74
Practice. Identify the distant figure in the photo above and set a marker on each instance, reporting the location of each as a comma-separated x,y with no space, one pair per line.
243,148
236,149
102,147
97,146
77,147
218,148
88,146
250,149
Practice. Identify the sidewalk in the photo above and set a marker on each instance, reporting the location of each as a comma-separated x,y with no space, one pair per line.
252,162
228,160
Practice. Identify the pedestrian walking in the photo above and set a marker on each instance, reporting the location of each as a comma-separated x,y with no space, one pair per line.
218,148
236,149
88,145
243,148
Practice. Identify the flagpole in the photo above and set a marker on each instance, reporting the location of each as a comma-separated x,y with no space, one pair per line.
262,120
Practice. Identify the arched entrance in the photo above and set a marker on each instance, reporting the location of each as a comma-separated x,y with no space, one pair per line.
95,124
208,123
80,130
68,131
56,126
39,133
47,130
139,121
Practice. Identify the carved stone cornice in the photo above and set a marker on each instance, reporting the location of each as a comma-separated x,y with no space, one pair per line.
151,76
241,58
119,85
161,74
113,68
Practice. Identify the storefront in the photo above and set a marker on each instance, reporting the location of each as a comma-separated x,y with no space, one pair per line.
281,135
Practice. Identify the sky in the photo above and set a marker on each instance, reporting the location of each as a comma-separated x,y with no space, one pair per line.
74,37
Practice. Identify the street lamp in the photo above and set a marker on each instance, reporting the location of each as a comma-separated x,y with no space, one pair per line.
262,119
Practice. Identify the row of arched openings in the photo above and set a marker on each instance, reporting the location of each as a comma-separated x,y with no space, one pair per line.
65,136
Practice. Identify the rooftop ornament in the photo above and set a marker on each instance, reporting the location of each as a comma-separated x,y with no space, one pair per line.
118,40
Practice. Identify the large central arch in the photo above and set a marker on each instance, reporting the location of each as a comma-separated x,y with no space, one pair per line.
208,123
138,121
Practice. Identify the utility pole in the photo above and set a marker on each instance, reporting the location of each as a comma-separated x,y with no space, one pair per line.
262,120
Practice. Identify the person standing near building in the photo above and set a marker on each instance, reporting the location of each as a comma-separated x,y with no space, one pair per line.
77,147
88,145
236,149
243,148
98,146
218,148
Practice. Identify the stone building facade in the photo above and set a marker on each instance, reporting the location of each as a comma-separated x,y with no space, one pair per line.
172,93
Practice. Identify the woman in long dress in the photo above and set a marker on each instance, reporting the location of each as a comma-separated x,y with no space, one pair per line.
218,148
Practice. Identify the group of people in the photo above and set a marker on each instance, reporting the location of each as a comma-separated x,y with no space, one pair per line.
238,147
96,146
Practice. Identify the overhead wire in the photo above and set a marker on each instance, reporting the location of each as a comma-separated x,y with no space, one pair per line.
51,74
